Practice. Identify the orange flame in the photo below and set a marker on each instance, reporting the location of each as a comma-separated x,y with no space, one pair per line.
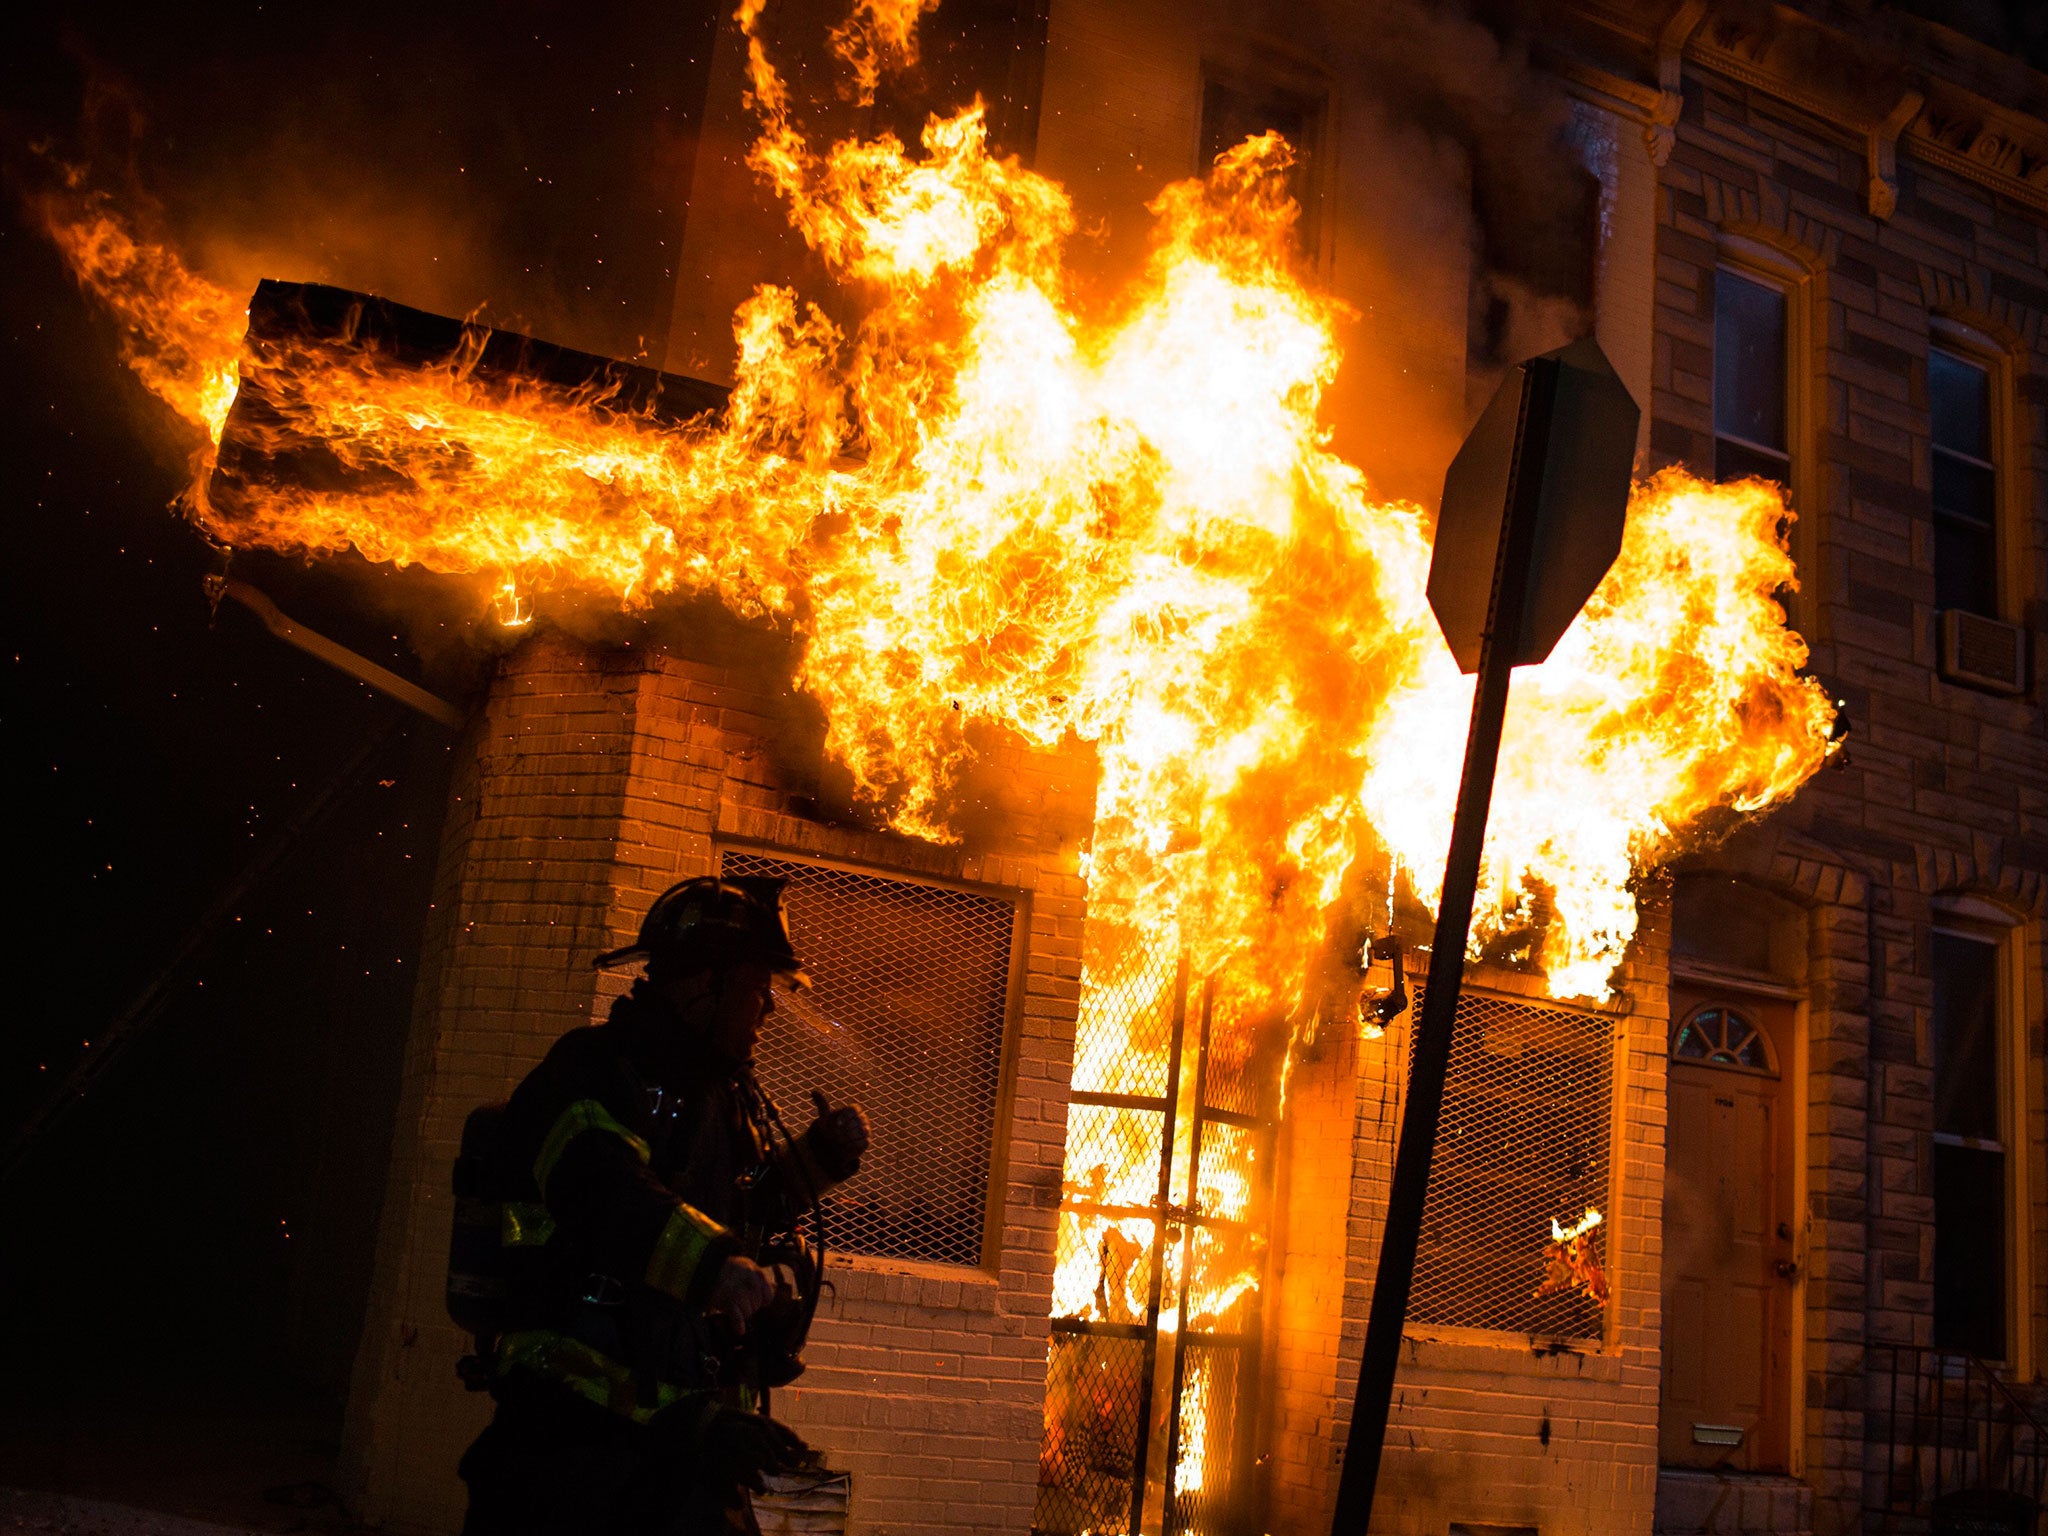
1124,527
180,333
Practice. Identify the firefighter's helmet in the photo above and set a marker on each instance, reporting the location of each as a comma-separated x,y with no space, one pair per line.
715,920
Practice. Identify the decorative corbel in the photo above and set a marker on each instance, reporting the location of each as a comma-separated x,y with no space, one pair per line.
1881,149
1662,132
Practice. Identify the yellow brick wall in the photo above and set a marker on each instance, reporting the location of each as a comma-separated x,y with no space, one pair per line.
595,780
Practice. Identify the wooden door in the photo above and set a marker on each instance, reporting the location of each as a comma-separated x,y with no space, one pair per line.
1728,1235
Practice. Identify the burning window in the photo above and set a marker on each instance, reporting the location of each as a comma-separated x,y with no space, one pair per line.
1237,106
907,1018
1523,1143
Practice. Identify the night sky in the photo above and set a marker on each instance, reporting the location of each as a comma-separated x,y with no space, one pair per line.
204,1217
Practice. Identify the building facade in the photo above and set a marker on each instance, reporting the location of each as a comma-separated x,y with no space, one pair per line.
1815,1118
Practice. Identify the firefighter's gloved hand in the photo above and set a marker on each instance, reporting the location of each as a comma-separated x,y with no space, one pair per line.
837,1138
744,1447
741,1289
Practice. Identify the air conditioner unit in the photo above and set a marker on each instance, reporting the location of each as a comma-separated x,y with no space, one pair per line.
1984,653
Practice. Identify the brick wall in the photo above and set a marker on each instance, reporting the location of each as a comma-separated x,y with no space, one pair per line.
1487,1428
522,898
593,781
1944,791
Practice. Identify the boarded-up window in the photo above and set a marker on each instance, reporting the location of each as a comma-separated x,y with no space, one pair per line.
1523,1142
906,1018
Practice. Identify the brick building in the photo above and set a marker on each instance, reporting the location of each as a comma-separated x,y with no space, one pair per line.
1814,1117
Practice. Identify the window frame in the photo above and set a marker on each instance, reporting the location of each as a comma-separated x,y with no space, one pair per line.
1760,449
1265,67
1978,921
1969,345
1004,1108
1801,282
1767,1048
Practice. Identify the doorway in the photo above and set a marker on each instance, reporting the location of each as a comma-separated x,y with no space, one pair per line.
1729,1229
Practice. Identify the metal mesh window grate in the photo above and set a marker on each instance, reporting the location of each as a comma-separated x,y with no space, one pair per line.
911,993
1523,1140
1094,1402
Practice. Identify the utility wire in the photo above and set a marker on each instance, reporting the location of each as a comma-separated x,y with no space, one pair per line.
144,1008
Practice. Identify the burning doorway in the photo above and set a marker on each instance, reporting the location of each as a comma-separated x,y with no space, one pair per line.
1156,1333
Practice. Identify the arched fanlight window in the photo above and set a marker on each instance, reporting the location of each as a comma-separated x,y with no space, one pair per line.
1717,1036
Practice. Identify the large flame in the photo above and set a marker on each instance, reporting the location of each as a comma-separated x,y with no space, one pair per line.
987,507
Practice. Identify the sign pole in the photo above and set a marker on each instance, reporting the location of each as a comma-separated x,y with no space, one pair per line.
1499,646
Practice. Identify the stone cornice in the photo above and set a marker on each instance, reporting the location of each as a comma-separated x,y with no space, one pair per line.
1926,99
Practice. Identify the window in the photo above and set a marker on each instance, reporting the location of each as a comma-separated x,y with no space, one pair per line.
1751,435
1965,485
1970,1174
907,1016
1235,109
1721,1037
1523,1143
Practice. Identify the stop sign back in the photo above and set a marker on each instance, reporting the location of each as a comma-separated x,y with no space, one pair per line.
1558,438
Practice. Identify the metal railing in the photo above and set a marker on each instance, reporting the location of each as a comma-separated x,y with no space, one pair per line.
1962,1448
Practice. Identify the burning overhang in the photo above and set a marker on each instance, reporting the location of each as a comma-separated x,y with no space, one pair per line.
298,331
351,408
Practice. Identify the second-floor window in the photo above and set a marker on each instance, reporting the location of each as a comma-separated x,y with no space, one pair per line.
1234,108
1750,432
1965,485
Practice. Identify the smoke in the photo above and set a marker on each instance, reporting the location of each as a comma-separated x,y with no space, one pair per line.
1471,212
537,179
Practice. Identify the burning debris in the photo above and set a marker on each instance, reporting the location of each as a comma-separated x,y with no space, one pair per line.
1572,1260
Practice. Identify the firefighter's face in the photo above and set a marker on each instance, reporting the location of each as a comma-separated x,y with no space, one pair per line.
740,1007
728,1005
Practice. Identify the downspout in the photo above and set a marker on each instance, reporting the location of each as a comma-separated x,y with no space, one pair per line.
336,655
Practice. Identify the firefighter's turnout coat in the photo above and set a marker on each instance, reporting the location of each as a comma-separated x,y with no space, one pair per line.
634,1163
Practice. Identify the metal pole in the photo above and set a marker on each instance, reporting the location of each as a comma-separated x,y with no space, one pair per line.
1432,1055
1162,1206
1169,1523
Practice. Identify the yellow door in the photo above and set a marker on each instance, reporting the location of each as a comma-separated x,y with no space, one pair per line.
1728,1236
